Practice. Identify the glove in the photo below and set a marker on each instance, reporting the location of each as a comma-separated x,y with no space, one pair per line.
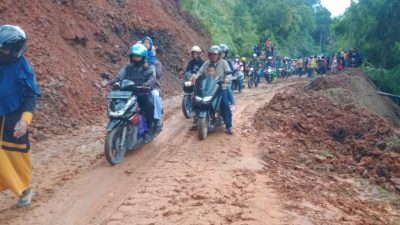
113,83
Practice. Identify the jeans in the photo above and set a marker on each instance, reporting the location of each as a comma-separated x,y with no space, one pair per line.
225,109
157,100
231,97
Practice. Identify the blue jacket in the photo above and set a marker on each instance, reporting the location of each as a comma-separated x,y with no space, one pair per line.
151,57
17,80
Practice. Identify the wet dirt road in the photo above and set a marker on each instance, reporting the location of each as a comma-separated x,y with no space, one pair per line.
176,179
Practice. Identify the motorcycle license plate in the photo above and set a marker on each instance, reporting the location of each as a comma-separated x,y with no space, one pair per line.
120,94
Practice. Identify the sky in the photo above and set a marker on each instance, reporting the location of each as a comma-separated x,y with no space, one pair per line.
336,7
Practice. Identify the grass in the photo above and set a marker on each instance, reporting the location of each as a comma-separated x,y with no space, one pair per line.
326,153
393,142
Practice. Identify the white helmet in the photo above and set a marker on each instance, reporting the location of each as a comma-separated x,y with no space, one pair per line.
196,49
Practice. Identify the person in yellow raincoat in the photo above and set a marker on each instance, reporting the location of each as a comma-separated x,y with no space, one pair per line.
18,95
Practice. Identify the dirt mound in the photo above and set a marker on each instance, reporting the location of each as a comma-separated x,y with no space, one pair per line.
75,45
346,137
353,86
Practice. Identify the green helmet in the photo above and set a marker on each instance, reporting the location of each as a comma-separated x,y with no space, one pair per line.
215,49
138,50
224,47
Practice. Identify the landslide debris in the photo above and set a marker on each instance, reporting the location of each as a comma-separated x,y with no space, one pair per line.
72,43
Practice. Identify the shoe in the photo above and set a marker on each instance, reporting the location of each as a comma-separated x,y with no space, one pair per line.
229,130
194,125
159,126
25,198
148,138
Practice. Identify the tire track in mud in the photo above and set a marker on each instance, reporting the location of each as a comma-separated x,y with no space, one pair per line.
176,179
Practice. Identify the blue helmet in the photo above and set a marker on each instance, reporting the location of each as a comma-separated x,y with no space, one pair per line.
13,38
138,50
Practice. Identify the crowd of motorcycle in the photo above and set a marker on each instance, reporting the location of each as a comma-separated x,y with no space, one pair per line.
208,87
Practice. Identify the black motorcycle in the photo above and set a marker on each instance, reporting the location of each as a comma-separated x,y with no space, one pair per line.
187,104
127,127
252,76
207,104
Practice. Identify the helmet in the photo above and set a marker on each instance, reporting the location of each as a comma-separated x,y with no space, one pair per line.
195,49
138,50
13,38
224,48
215,49
243,59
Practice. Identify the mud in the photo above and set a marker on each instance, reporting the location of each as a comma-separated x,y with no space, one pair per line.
71,43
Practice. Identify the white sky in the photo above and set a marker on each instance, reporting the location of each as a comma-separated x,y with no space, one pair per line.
336,7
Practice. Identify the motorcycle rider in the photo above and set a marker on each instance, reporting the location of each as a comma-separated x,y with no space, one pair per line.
196,62
243,60
142,75
156,66
222,67
225,50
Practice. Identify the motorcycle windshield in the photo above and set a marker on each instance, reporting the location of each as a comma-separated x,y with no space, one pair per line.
206,86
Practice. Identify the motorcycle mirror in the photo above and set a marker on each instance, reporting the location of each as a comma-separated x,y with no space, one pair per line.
126,84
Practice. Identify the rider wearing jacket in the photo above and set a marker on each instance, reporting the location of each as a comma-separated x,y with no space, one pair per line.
222,67
141,75
196,62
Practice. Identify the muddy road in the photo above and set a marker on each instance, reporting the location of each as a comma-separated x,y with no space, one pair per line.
176,179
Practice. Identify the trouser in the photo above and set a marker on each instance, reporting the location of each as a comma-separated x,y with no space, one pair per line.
147,106
231,97
225,109
310,72
157,100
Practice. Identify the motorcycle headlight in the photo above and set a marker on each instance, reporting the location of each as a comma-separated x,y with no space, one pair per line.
199,99
121,111
188,83
207,99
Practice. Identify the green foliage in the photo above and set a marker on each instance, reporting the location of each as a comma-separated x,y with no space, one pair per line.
228,22
296,27
375,24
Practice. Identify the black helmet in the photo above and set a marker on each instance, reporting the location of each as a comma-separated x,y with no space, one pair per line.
12,38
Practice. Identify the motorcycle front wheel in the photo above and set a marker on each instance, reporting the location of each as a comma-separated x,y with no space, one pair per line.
250,83
203,128
114,150
187,106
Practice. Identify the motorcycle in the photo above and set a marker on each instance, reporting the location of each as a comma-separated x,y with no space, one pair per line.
280,73
270,74
207,104
187,96
127,127
251,78
237,81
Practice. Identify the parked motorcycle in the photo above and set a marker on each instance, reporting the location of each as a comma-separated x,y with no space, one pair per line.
127,126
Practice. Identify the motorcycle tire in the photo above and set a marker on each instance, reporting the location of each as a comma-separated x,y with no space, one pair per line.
114,155
202,128
250,83
187,107
257,81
